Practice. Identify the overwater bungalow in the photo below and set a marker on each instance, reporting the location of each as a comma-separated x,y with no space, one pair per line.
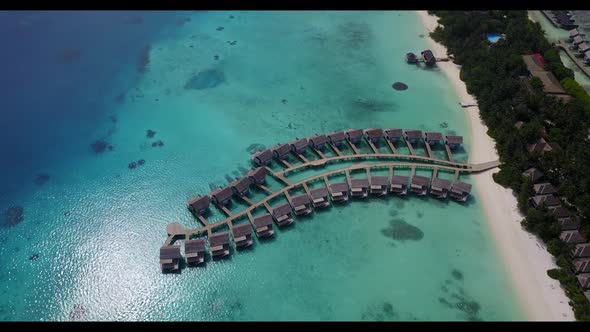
221,196
583,48
399,184
339,191
194,251
453,141
359,188
263,225
379,185
258,175
582,265
299,145
581,250
432,138
170,258
412,136
420,185
242,235
533,174
219,244
301,204
572,236
336,137
439,188
319,197
281,151
354,135
549,201
544,188
199,205
577,40
411,58
428,57
460,191
574,33
584,280
393,134
241,187
318,141
282,215
262,158
373,134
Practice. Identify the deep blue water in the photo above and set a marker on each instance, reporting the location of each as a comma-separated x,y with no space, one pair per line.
46,99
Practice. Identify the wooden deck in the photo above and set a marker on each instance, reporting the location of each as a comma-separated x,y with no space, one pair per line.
578,61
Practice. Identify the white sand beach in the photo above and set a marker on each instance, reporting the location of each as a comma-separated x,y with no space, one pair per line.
525,256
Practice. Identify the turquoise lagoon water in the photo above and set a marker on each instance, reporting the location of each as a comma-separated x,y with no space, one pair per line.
97,226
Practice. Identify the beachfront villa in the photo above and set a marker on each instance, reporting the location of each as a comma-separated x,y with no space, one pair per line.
533,173
548,201
541,146
581,250
582,265
544,188
572,236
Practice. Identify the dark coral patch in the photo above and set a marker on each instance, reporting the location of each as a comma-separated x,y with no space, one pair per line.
399,86
34,257
457,274
183,21
41,179
69,55
220,28
150,133
120,98
205,79
13,216
255,147
144,59
400,230
99,146
132,165
140,162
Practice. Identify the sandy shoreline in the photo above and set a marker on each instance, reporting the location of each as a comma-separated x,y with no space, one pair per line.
524,256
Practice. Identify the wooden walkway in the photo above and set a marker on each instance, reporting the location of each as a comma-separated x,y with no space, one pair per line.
180,232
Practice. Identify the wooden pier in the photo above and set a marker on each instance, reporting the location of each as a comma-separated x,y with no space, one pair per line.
578,61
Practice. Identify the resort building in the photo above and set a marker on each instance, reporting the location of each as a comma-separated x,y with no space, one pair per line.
583,48
318,141
584,280
379,185
548,201
169,258
412,136
582,265
577,40
393,134
440,187
282,215
194,251
574,33
535,65
336,137
221,196
544,188
411,58
258,175
373,134
359,188
242,235
263,225
354,135
240,187
572,236
281,151
319,197
566,221
420,185
399,184
339,191
541,146
262,158
301,204
581,250
199,205
533,174
453,141
432,138
299,145
219,244
460,191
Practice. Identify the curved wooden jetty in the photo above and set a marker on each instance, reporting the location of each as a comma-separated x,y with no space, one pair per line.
394,161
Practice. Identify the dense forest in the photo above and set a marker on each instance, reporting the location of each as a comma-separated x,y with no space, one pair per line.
495,74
